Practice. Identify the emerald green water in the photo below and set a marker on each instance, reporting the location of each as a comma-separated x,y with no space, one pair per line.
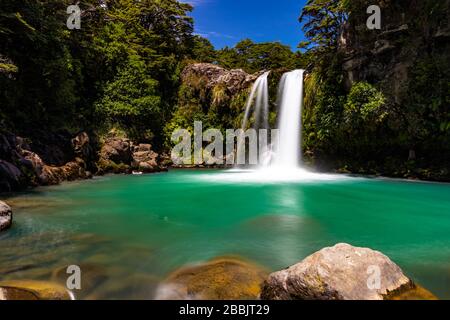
129,232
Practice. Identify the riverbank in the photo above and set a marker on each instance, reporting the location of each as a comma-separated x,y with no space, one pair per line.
26,163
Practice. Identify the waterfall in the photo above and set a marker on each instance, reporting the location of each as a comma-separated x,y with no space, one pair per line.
285,152
259,98
282,162
288,149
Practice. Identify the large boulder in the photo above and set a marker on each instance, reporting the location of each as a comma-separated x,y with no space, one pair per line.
342,272
115,155
117,150
33,290
144,159
52,175
6,216
219,279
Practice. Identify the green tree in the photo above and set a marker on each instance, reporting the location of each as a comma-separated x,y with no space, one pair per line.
203,50
254,57
323,21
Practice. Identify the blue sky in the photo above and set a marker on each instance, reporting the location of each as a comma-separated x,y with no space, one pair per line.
226,22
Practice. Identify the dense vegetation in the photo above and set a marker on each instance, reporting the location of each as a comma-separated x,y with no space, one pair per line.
376,102
121,69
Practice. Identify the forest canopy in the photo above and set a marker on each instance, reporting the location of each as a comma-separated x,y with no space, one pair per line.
122,68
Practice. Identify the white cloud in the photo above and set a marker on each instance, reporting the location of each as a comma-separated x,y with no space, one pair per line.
213,34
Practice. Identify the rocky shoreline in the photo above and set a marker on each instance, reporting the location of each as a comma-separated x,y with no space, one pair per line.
342,272
24,164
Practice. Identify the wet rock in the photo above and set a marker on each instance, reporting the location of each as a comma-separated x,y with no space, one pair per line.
6,216
33,290
219,279
342,272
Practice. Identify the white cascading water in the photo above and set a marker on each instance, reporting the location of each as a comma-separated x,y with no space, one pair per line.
283,161
288,150
259,98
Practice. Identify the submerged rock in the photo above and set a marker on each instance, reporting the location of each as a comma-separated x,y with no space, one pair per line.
5,216
342,272
218,279
33,290
136,286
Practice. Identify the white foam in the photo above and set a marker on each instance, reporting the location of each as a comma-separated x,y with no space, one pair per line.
271,175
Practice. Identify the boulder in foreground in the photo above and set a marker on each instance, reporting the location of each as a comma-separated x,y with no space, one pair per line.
342,272
219,279
33,290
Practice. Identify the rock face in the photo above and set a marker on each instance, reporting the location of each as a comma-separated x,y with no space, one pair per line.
20,166
33,290
6,216
144,159
387,56
219,279
121,155
342,272
213,76
117,150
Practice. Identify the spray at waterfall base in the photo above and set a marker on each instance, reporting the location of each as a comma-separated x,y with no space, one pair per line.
258,145
239,147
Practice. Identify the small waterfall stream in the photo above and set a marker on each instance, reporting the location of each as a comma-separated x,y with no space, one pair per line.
259,98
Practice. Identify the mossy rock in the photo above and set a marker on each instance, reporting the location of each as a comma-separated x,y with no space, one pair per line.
225,278
416,292
33,290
